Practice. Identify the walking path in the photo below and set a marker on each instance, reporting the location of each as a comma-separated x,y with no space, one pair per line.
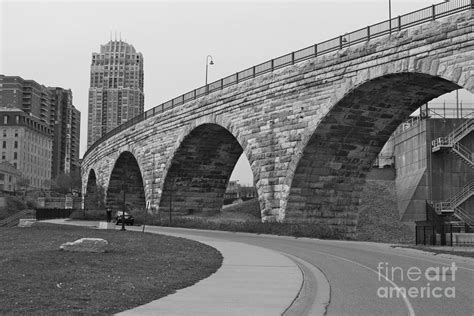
251,281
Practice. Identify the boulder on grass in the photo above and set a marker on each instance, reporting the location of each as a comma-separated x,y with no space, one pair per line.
86,245
26,222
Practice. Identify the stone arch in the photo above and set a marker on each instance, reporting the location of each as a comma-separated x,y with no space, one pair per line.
329,168
126,180
198,171
92,195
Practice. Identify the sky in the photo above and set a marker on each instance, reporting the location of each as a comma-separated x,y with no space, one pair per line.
52,42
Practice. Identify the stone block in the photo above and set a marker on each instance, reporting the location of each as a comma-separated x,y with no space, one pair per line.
86,245
106,225
26,222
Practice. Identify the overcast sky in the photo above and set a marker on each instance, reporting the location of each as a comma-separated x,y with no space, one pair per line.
52,42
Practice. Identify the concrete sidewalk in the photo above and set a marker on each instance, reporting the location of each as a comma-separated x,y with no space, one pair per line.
251,281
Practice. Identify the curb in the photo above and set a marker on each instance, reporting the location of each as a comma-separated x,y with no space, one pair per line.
310,301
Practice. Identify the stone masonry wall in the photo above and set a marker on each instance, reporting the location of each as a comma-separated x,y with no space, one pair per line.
310,130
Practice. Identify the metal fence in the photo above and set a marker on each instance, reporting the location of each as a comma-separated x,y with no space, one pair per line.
399,23
52,213
443,235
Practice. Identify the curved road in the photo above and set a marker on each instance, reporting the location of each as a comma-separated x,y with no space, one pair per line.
360,274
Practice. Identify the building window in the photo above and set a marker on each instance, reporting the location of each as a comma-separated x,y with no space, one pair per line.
15,155
17,119
15,165
3,156
5,119
4,144
4,133
16,133
16,144
2,177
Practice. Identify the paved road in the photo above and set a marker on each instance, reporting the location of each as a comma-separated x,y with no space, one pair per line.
360,275
358,288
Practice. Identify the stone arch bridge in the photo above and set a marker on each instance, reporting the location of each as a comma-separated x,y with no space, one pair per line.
310,129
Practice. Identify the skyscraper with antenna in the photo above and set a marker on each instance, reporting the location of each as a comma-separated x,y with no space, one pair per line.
116,87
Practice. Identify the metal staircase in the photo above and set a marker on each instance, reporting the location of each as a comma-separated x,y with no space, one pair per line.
452,141
463,216
452,206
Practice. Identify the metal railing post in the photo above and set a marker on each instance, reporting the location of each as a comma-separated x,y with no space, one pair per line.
316,49
433,12
416,235
451,235
399,23
292,58
236,77
368,32
253,70
271,62
443,235
340,41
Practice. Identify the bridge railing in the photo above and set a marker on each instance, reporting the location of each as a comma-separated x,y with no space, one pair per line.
395,24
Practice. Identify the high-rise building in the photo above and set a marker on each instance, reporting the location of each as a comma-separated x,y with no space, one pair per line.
75,140
65,121
53,108
26,143
28,95
116,88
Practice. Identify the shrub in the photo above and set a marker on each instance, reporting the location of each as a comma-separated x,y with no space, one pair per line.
31,204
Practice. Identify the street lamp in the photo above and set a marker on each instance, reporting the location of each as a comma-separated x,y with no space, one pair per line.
171,187
124,186
390,16
208,63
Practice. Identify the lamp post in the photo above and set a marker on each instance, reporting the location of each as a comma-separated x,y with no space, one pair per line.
211,62
171,187
390,16
123,206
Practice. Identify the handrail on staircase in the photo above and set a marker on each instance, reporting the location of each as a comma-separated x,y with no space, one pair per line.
464,152
467,190
464,216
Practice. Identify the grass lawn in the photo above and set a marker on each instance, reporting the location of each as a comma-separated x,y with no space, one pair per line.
37,278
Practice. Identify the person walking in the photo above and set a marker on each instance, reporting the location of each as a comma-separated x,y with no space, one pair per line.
109,215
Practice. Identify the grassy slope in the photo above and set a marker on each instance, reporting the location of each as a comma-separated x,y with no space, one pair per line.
37,277
378,216
245,211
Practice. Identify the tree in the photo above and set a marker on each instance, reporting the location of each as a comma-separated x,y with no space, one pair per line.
95,198
23,183
67,182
